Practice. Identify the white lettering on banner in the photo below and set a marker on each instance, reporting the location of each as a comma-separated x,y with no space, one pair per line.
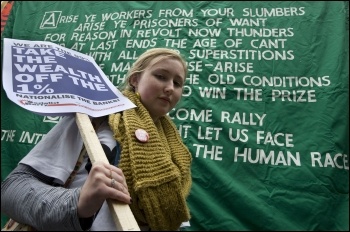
268,43
274,12
286,81
100,56
50,19
278,139
284,158
102,35
178,22
145,43
204,32
241,135
120,24
221,79
179,43
121,66
242,118
8,135
164,32
177,12
207,133
248,94
213,152
241,54
90,18
133,14
104,45
212,92
98,26
117,78
183,114
68,19
56,37
233,67
209,43
260,32
192,79
52,119
234,55
124,33
276,158
258,22
27,137
228,12
294,95
183,130
338,160
127,55
195,66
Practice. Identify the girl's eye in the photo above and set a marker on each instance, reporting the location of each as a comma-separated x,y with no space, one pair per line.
159,76
162,77
177,83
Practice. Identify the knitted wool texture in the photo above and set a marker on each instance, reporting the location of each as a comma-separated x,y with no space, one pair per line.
157,172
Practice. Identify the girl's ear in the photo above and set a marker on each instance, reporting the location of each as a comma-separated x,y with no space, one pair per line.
134,80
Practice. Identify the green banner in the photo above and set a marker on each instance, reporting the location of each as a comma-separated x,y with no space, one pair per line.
265,108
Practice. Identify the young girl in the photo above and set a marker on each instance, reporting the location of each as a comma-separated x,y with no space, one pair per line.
149,164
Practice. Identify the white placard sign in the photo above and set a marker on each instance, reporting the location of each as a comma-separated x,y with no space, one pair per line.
49,79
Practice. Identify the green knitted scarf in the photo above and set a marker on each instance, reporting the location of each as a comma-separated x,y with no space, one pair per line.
157,172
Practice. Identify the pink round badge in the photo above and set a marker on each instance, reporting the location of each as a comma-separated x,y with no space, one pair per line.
142,135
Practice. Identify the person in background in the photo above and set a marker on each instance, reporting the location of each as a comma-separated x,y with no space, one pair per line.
149,165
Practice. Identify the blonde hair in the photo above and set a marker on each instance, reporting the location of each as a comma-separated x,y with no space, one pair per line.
144,60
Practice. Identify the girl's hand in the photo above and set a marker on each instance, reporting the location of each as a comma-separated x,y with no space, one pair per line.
104,181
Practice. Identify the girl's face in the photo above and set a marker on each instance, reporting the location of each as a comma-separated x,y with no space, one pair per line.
160,86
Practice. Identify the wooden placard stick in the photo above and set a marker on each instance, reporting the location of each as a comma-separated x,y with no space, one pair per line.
121,212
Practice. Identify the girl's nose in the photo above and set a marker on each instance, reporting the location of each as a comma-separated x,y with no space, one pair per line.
169,88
